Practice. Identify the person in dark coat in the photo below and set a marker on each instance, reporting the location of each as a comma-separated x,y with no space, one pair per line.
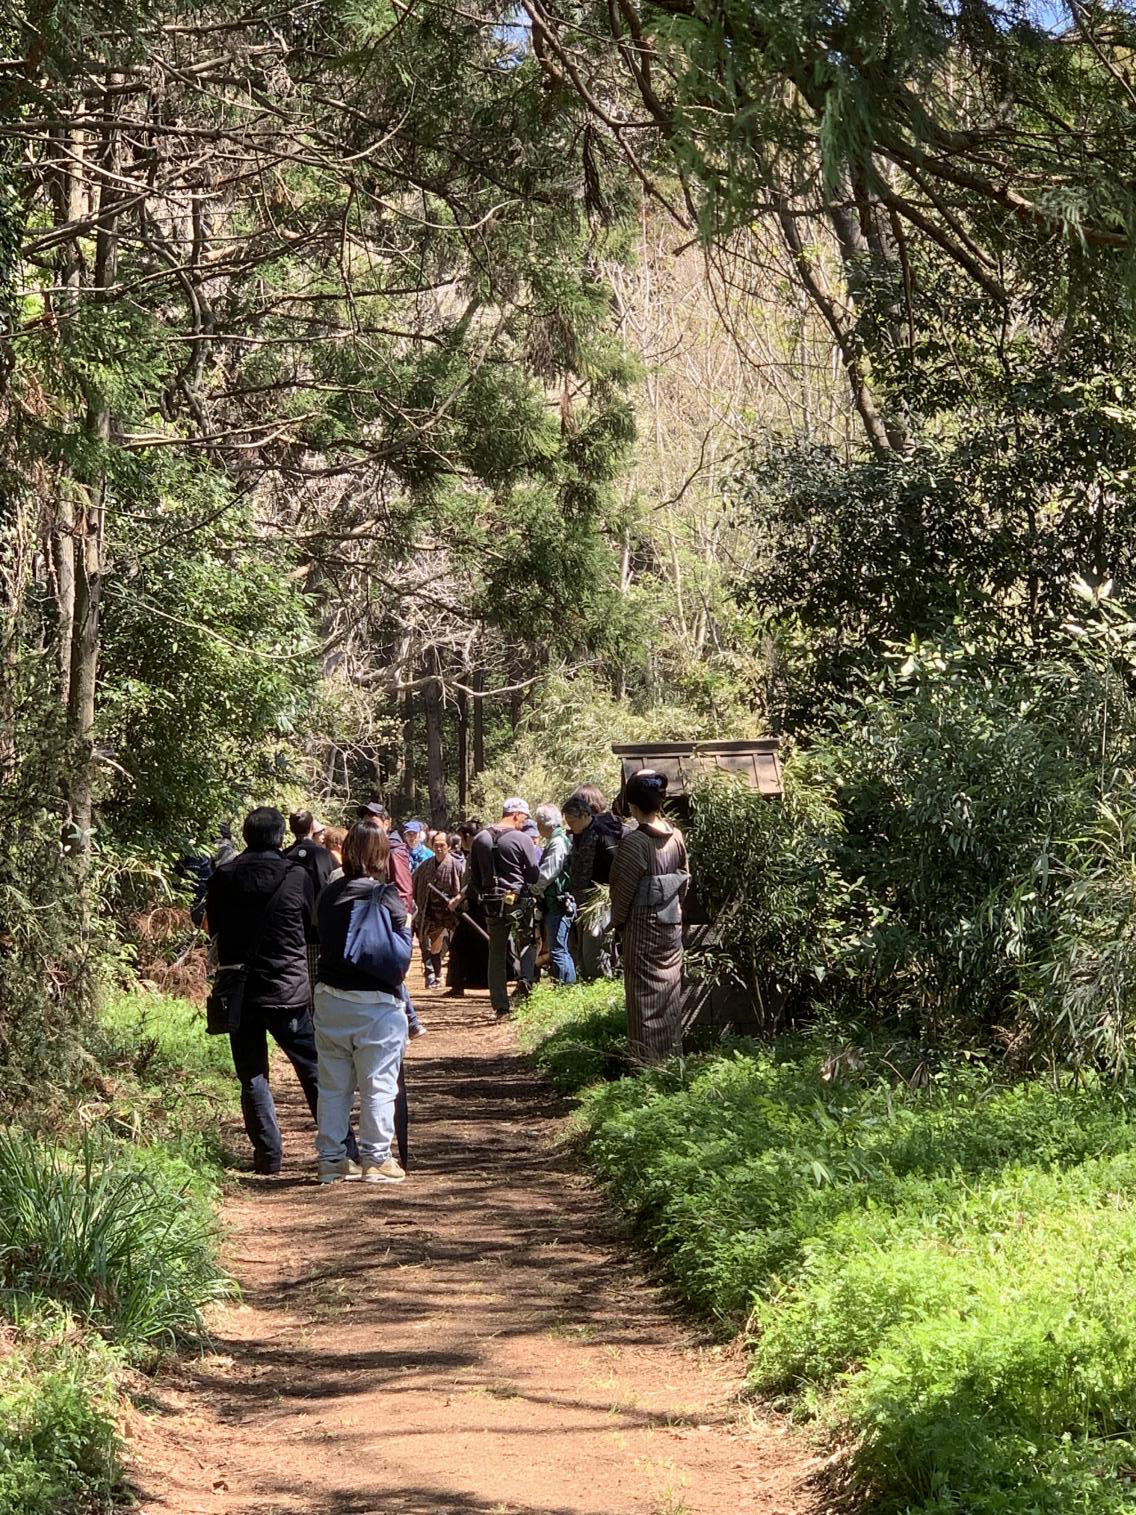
316,861
596,833
260,891
504,865
468,963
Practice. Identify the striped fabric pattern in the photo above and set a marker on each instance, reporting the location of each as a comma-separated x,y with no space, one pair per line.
652,952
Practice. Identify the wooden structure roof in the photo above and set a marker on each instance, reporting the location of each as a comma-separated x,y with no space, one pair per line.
757,761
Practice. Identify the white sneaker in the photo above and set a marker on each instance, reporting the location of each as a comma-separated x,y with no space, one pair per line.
333,1173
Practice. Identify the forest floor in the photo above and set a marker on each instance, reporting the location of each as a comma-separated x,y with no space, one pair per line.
476,1341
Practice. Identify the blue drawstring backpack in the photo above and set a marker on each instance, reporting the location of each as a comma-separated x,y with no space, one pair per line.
374,942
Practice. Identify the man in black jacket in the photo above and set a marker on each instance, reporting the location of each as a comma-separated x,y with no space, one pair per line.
503,867
596,833
316,861
262,893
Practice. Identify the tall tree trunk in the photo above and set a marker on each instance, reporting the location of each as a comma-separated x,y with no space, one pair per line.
84,662
463,750
479,723
435,755
63,574
408,786
89,524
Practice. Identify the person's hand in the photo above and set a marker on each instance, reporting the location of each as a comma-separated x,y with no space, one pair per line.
454,903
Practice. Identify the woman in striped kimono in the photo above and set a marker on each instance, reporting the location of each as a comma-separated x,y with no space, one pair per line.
649,877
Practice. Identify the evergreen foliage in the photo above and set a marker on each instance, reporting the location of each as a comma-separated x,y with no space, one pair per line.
952,856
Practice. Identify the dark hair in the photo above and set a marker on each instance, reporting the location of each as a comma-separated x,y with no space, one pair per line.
300,822
578,803
595,798
470,827
647,790
454,840
366,850
226,831
263,828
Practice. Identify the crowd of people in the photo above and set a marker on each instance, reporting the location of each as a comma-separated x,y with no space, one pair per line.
318,935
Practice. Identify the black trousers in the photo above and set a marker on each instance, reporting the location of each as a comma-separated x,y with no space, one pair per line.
292,1031
401,1115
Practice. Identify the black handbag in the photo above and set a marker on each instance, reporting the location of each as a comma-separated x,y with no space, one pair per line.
227,992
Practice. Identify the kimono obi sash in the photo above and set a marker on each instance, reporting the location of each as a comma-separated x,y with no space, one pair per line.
662,894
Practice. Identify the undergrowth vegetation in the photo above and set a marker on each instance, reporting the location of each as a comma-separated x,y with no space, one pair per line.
107,1250
954,857
931,1261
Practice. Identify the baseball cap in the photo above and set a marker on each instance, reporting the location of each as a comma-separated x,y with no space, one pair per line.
372,807
413,826
514,805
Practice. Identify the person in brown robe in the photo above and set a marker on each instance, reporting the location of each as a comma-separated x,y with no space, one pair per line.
649,876
436,881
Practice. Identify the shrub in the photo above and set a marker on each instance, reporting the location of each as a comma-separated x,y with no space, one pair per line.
158,1036
954,857
126,1247
576,1035
767,872
938,1267
164,1082
58,1444
1077,996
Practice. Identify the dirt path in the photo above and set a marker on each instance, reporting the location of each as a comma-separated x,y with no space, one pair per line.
476,1340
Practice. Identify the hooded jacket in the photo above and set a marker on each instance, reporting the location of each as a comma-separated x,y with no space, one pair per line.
316,861
234,907
592,854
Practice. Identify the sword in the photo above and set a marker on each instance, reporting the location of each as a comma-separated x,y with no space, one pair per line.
433,888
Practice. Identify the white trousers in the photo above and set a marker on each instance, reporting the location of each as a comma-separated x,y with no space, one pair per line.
360,1039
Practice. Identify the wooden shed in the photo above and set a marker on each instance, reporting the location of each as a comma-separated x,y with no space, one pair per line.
757,760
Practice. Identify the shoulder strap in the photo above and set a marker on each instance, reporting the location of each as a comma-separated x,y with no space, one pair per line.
262,924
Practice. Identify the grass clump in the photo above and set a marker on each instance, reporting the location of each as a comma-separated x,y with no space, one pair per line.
941,1275
107,1248
165,1082
125,1247
575,1035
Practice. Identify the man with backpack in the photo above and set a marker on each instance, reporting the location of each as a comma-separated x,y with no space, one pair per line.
504,866
260,911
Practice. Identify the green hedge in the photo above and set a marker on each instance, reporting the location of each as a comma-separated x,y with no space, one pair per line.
940,1274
